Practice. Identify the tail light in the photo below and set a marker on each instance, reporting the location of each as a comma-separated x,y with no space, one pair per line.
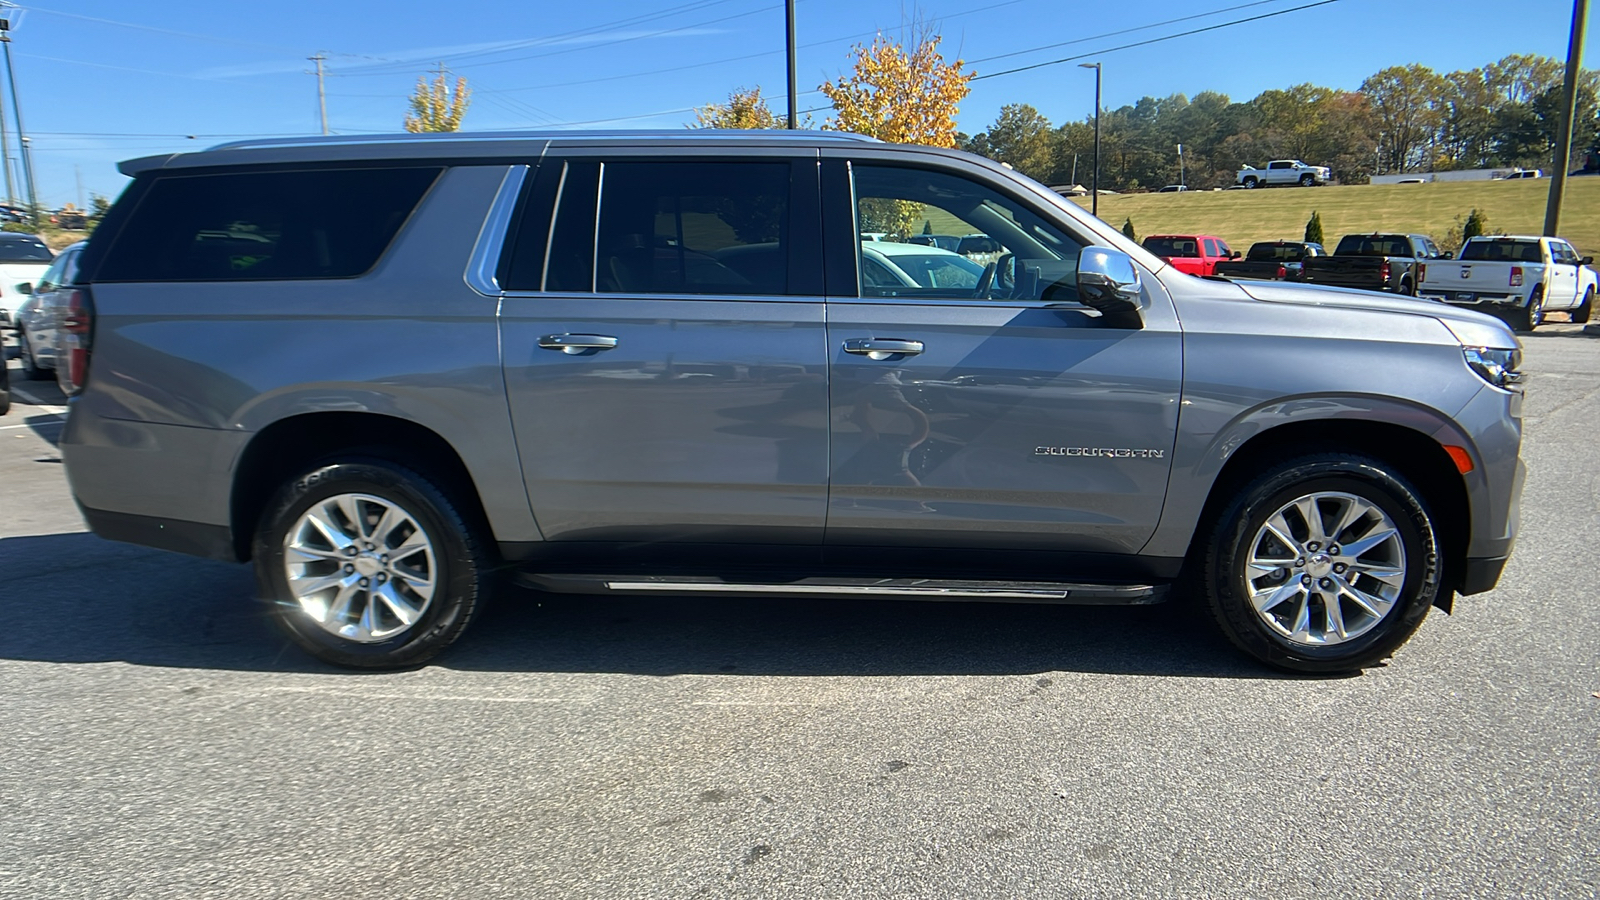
1283,272
1422,272
1516,276
77,330
1383,271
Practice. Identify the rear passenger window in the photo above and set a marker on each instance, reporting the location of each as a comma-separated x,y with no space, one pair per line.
692,228
260,226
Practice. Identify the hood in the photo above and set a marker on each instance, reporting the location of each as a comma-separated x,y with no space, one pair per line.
1472,327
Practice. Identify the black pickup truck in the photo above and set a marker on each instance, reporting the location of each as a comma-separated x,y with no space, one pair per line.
1272,261
1396,263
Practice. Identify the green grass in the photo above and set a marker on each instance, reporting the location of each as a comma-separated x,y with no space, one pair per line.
1242,217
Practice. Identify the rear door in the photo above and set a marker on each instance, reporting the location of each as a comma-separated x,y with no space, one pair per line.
664,350
994,412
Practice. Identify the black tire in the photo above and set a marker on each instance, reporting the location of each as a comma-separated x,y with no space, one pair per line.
1234,535
1580,313
1251,182
5,386
462,565
1308,180
1407,288
31,369
1527,318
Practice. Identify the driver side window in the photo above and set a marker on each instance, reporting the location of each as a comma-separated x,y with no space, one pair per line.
1003,250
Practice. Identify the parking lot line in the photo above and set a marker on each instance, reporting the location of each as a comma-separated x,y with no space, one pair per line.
31,400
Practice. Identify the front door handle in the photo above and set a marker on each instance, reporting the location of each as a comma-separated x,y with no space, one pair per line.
577,343
882,348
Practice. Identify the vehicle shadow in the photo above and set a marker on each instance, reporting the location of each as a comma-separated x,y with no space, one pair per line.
74,598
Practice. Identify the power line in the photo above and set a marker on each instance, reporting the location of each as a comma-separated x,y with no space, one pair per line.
1064,59
1096,37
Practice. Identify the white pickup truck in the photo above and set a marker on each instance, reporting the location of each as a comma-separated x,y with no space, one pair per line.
1284,171
1517,277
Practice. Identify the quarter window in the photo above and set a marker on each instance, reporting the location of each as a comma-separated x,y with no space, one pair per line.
260,226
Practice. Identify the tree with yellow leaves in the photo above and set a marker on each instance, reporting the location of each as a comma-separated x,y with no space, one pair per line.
435,107
746,108
899,95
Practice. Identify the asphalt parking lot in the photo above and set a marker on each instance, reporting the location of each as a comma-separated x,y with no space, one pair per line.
157,739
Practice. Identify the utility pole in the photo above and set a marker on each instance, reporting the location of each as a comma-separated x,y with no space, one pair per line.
7,17
77,173
1094,200
322,95
1569,109
793,91
1181,182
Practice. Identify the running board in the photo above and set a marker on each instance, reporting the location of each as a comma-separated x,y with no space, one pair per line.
907,588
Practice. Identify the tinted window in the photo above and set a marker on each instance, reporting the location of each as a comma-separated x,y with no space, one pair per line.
1501,251
258,226
24,251
571,264
693,228
1172,247
1280,252
1026,256
1374,245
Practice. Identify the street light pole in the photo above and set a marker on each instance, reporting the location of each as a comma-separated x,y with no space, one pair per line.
1094,200
16,109
1569,107
1180,167
794,95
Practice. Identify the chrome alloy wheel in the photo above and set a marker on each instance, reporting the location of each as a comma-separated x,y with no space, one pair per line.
360,567
1325,568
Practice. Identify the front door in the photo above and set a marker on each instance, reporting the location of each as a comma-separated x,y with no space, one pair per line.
666,365
975,403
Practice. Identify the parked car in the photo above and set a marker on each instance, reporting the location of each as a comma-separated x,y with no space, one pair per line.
1197,254
951,242
1281,172
1396,263
888,268
457,359
23,258
1271,261
39,316
1173,189
1517,277
1520,174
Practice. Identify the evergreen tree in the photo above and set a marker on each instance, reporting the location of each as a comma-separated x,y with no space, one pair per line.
1127,229
1477,224
1314,228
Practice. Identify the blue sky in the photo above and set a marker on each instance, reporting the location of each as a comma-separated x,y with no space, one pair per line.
102,81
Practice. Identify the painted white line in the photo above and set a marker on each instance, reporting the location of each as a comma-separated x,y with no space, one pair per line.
35,424
364,695
31,400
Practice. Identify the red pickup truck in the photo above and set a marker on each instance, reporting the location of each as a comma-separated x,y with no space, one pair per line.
1197,254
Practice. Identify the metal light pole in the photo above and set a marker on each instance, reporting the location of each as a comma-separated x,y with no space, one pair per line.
1094,201
1569,108
1180,167
7,19
793,91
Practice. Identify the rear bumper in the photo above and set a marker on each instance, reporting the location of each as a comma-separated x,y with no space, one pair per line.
1470,298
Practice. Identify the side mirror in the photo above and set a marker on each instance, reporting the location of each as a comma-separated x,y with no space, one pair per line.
1108,282
1587,260
24,288
1447,255
1235,255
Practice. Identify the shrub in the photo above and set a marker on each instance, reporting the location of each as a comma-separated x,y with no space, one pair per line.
1127,229
1314,228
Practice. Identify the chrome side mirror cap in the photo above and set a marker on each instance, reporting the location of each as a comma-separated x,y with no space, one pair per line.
1108,281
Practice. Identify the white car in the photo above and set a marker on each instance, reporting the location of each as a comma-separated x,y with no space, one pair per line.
23,258
1518,277
39,314
888,266
1284,171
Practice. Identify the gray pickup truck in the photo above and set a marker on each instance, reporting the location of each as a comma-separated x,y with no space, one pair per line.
392,371
1396,263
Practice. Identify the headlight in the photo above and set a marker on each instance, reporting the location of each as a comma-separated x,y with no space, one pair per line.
1500,368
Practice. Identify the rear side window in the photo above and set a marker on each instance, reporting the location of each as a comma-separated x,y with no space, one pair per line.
264,226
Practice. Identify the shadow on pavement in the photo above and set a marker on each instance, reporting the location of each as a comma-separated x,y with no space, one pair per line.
73,598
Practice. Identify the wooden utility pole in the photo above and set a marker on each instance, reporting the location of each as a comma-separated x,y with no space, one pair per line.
322,95
1569,110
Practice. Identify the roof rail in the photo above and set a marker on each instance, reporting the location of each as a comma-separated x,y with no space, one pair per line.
690,134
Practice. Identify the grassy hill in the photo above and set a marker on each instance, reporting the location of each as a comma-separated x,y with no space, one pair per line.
1241,217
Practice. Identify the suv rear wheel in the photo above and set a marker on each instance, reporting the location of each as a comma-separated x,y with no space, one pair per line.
368,564
1326,563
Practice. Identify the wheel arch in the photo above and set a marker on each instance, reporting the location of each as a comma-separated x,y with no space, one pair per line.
292,445
1415,455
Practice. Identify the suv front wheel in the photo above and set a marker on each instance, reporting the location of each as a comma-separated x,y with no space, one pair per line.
1326,563
370,565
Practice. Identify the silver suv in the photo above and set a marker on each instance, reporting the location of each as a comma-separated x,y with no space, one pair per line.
389,371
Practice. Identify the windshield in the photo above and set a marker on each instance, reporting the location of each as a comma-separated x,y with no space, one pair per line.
1502,251
1276,252
1374,245
24,251
1171,247
938,270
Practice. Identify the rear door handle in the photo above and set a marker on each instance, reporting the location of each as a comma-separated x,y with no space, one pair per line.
882,348
577,343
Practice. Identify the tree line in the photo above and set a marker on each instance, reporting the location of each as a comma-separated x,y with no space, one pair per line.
1402,119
